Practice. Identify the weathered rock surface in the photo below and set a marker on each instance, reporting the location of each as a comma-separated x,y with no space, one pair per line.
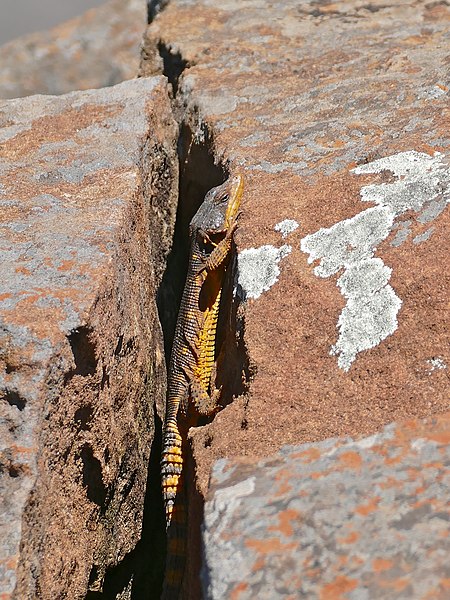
97,49
88,189
338,117
347,519
297,96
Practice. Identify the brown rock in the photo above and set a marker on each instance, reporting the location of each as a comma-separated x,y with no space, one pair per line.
99,48
88,185
296,96
335,519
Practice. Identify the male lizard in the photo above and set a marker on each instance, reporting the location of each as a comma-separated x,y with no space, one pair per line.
191,391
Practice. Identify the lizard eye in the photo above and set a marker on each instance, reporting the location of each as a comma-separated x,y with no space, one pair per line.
224,198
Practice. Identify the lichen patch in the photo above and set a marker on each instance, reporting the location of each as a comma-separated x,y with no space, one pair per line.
258,269
421,184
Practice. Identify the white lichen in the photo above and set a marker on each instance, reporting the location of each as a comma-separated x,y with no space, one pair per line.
370,314
436,363
258,269
420,178
348,242
286,227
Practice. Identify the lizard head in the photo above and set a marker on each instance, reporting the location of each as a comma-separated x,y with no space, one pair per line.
220,208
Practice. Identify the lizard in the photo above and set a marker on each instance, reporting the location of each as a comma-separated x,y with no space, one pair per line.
190,390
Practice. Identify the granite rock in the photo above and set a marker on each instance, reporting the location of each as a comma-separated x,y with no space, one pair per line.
338,519
99,48
88,190
337,115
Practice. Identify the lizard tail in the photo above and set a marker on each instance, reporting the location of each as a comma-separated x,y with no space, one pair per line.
175,507
171,467
176,549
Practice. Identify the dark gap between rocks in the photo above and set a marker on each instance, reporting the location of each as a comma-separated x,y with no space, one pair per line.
154,7
84,352
198,174
173,65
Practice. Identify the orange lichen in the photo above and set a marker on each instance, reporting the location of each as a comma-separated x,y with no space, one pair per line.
236,592
285,517
66,265
270,545
309,455
351,459
381,564
442,437
352,537
283,488
335,589
23,270
366,509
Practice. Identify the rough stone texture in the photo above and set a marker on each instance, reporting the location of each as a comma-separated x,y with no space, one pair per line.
99,48
297,95
339,519
333,113
88,189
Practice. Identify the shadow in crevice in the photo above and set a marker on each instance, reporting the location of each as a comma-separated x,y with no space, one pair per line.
139,574
173,65
198,174
151,549
84,352
92,476
13,398
154,7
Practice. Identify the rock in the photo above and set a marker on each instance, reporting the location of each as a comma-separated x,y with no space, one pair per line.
97,49
337,116
341,518
88,189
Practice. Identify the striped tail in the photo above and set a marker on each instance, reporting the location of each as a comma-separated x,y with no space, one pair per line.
176,549
175,506
171,466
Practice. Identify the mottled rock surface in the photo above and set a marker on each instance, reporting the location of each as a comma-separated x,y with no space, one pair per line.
338,519
99,48
88,189
338,117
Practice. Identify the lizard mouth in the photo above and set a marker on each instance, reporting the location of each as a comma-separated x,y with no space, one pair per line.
236,191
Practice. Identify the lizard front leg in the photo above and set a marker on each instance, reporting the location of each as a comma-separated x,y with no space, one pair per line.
221,250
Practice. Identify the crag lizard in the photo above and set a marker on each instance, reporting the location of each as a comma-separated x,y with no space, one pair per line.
191,391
